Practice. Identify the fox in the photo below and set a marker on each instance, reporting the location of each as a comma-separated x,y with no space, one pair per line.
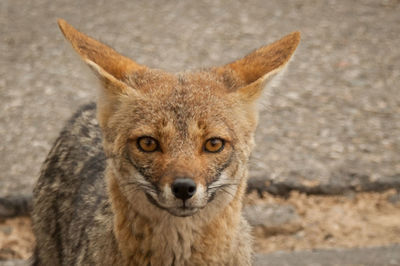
154,172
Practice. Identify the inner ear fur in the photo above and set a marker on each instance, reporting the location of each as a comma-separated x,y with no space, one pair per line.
255,69
111,68
109,65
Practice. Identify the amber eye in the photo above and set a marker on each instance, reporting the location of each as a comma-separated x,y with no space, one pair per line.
214,145
147,144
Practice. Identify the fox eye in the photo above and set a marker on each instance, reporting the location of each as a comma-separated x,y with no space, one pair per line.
214,145
147,144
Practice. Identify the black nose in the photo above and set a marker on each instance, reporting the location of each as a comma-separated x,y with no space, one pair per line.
183,188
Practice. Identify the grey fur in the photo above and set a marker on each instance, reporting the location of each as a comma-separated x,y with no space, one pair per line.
71,193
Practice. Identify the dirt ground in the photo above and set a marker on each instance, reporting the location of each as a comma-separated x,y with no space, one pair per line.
357,220
16,239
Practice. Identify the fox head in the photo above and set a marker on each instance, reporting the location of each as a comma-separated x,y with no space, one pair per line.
180,140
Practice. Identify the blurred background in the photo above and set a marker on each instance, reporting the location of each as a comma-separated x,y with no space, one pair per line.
334,117
331,127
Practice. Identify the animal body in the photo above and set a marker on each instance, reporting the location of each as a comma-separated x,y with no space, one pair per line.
155,172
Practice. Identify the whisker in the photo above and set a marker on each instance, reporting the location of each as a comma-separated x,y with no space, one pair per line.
139,186
139,189
223,185
227,192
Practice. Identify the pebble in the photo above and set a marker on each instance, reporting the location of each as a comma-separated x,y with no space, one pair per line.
272,219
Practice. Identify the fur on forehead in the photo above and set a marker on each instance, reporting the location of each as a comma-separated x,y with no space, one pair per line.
203,98
153,80
185,95
182,96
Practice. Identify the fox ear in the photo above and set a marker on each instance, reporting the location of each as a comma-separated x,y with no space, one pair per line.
110,67
259,66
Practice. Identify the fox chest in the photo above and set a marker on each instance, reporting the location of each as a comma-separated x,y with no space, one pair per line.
176,248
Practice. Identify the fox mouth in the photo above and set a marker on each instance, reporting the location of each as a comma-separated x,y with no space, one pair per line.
180,211
183,211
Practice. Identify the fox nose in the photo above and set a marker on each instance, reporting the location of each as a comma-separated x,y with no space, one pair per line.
183,188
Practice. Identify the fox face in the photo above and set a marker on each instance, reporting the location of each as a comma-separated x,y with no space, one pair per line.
179,140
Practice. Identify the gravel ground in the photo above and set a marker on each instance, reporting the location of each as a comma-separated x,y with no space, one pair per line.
335,116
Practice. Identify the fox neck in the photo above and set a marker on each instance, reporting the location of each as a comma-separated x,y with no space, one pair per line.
146,234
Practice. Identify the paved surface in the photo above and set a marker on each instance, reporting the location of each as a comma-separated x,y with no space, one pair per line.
379,256
334,118
14,263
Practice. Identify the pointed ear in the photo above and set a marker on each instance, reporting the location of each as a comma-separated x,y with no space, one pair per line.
108,65
255,69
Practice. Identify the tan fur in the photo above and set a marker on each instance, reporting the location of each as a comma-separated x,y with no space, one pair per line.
147,224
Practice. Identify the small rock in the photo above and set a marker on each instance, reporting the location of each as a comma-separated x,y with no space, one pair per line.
272,219
5,229
395,198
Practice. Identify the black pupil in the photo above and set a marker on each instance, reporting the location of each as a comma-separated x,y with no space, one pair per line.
215,142
148,142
